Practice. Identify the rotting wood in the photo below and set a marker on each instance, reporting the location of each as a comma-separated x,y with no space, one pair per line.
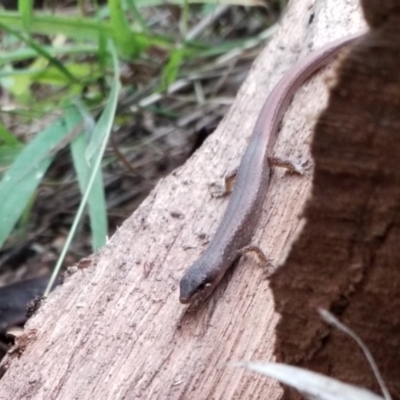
347,257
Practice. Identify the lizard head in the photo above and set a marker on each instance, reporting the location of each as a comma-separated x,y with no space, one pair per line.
195,285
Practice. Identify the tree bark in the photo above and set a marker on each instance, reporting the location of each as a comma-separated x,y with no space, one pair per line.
346,258
116,330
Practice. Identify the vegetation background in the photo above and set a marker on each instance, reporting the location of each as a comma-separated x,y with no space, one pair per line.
98,100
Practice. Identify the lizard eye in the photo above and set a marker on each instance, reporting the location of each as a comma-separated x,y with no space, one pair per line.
203,286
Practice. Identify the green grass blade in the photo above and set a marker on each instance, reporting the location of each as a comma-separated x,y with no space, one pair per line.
132,7
7,137
184,22
24,53
8,154
171,70
103,127
25,8
129,44
22,227
104,124
41,51
79,28
96,199
102,52
23,177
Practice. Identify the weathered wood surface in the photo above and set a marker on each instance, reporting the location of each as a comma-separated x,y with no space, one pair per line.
347,257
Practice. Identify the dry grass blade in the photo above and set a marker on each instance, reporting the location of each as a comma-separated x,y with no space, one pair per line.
312,385
331,319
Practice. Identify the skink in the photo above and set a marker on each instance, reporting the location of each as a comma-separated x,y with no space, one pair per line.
244,208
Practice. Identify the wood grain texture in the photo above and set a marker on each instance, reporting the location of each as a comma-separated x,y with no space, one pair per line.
347,257
116,330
